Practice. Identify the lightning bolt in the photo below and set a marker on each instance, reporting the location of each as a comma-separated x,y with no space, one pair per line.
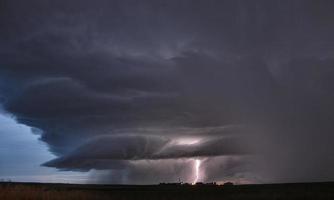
197,174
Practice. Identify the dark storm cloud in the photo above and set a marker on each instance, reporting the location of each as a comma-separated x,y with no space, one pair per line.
244,77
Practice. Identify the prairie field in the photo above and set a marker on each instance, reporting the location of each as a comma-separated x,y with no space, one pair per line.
33,191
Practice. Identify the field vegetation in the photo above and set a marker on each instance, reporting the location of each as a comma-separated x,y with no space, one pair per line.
33,191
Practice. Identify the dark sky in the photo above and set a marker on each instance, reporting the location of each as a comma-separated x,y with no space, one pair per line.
142,89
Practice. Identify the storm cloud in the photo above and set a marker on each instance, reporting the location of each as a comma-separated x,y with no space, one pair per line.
244,86
115,151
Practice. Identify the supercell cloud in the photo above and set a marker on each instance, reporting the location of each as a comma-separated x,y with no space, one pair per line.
141,89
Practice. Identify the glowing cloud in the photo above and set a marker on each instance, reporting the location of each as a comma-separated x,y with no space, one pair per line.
187,141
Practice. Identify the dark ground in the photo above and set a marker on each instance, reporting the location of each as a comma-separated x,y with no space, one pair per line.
71,191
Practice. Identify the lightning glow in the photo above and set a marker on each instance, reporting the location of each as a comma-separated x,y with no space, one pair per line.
197,172
187,141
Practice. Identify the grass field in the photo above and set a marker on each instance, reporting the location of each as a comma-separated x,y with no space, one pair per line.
39,191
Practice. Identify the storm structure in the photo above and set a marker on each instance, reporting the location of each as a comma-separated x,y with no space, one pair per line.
153,91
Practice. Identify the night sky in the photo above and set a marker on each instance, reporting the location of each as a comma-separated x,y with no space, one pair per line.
149,91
